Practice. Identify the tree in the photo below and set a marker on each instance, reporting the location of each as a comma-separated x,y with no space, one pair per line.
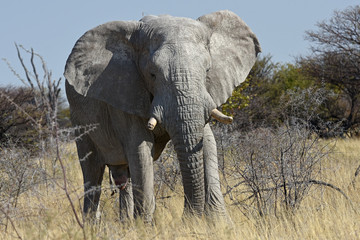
335,62
28,114
260,73
269,95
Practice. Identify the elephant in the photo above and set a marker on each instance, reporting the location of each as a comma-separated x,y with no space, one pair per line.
144,83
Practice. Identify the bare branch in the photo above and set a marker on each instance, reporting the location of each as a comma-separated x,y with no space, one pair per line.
27,74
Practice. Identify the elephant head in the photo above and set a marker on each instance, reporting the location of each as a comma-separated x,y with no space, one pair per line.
171,71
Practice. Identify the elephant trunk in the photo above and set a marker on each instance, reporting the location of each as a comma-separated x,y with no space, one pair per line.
187,138
183,110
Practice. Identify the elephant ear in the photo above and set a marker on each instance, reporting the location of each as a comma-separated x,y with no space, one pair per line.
233,48
102,66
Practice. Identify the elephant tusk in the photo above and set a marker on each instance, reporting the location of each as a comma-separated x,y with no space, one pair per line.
221,117
151,123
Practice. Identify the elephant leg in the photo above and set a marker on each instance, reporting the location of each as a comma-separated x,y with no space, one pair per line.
214,200
138,146
142,177
126,202
121,177
93,171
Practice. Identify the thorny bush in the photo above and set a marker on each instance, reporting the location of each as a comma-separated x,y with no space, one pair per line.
267,170
21,168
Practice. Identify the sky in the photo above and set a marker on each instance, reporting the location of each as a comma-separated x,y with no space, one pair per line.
51,28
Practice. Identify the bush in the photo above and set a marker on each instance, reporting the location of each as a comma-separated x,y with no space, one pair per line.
268,170
18,117
31,138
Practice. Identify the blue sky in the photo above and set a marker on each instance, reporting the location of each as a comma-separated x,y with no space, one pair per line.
52,27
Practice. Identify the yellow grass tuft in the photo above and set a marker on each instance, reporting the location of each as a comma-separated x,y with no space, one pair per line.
45,213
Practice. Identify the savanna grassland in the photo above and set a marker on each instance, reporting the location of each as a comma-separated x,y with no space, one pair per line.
43,210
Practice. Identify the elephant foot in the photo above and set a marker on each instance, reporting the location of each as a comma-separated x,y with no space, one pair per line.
215,206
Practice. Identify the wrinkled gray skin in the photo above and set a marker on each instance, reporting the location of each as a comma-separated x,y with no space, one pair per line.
176,70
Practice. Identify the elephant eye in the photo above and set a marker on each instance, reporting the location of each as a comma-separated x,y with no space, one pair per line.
153,76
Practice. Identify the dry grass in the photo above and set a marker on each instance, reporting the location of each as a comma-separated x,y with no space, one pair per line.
45,213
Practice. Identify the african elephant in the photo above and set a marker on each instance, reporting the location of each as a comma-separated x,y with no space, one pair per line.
146,82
